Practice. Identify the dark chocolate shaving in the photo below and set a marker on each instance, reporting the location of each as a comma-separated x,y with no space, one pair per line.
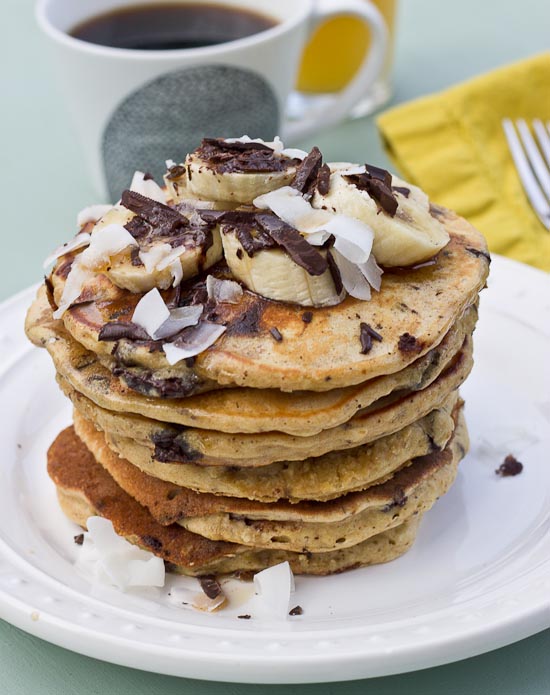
222,144
166,221
335,272
478,253
79,540
175,172
297,610
323,179
306,175
138,227
248,231
149,385
401,189
307,316
377,183
509,467
227,157
408,343
134,256
276,334
117,330
151,542
301,252
246,616
367,335
210,586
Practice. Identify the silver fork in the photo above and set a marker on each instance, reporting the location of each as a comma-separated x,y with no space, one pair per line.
532,162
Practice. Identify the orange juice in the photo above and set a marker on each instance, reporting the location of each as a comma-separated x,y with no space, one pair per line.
337,49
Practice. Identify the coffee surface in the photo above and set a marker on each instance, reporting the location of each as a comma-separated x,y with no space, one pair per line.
162,27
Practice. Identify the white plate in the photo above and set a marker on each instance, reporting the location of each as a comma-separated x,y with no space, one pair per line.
477,578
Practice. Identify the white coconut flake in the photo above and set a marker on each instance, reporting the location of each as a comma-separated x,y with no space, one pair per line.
180,318
73,287
355,283
197,340
147,187
353,170
170,163
152,257
79,241
294,153
352,238
276,144
92,213
168,257
176,271
223,290
151,312
273,587
289,204
111,559
373,272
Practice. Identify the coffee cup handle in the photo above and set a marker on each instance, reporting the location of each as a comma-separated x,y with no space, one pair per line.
316,119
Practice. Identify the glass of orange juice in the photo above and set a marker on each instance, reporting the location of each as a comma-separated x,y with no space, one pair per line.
335,53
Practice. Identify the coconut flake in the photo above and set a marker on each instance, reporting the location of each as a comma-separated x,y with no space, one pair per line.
276,144
78,242
353,279
151,312
289,204
294,153
352,238
113,560
196,341
92,213
155,255
180,318
273,587
373,272
223,290
176,271
353,170
104,242
170,163
147,187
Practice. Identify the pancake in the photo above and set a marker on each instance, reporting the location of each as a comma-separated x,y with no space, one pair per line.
85,489
320,478
304,526
413,312
236,410
142,440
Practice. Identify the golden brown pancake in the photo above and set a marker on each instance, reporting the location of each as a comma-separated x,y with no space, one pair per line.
86,489
413,312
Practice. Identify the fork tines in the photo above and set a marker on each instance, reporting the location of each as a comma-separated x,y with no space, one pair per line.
532,162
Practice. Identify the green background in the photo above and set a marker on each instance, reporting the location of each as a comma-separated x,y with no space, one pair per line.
43,183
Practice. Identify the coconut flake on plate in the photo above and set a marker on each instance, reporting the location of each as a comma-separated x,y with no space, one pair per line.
273,587
78,242
223,290
160,322
197,340
92,213
147,187
113,560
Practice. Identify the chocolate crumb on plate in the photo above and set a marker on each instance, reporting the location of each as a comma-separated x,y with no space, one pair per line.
244,617
510,466
210,586
297,610
79,540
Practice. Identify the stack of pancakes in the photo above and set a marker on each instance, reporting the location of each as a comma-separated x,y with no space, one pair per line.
293,437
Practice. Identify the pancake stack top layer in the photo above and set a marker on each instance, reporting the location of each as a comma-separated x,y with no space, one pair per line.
263,358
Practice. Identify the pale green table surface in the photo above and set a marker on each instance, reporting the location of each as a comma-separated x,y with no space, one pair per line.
43,184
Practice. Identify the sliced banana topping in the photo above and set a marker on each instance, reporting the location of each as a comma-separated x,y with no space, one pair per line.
405,233
171,246
237,170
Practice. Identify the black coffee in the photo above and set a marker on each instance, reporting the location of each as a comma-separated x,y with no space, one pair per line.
162,27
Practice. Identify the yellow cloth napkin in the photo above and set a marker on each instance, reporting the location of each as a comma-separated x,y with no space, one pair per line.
452,145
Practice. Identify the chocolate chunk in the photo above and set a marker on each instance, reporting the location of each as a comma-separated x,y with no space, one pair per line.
297,610
377,183
408,343
335,272
307,316
245,226
152,542
148,384
306,175
171,447
210,586
302,252
401,189
366,336
79,540
510,466
226,157
276,334
49,293
175,172
478,253
323,179
246,616
165,220
117,330
138,227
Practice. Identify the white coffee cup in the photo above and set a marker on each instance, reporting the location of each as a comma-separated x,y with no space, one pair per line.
130,104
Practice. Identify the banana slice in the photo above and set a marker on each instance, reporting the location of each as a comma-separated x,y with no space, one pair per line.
160,260
179,193
238,171
271,272
411,236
